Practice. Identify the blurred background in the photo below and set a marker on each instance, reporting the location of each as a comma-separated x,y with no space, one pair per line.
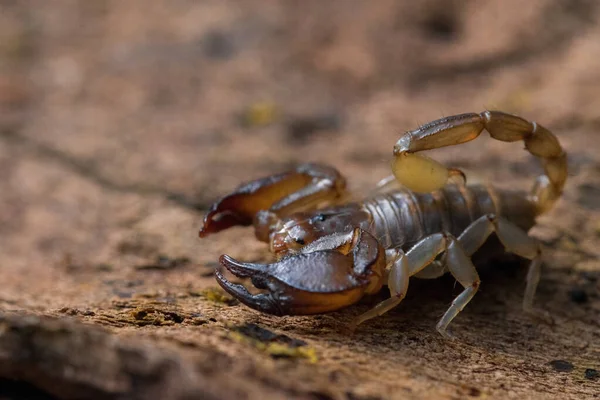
122,121
110,107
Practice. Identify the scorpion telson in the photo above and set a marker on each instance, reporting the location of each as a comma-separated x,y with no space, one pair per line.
419,223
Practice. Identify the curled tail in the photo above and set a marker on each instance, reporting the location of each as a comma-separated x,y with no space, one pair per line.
420,173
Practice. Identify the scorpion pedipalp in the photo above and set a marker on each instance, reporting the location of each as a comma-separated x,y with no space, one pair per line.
263,200
342,268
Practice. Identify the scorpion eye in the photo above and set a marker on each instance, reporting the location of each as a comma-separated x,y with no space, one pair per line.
320,217
300,241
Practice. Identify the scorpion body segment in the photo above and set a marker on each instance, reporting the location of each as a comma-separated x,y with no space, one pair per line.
331,253
401,218
410,168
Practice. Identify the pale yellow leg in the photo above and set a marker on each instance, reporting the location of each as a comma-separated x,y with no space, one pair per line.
405,265
397,283
516,241
457,261
461,267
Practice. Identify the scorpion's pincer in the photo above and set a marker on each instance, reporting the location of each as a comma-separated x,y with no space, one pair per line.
261,202
333,272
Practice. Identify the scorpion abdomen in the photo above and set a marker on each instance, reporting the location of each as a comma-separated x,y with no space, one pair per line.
403,217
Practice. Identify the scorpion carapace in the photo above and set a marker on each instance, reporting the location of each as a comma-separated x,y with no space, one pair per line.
421,222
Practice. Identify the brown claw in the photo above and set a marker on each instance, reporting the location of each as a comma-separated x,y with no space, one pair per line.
262,302
280,194
315,282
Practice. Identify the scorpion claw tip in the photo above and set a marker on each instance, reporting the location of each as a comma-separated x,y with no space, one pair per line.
222,216
261,302
241,269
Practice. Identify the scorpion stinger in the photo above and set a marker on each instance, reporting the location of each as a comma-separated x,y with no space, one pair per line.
335,272
265,200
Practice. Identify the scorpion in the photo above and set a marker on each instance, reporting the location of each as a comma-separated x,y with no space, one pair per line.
423,221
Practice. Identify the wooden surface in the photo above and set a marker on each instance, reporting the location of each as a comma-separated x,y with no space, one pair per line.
120,122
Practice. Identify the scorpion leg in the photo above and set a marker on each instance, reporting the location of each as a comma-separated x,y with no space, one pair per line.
404,266
516,241
398,278
420,256
263,201
461,267
433,270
